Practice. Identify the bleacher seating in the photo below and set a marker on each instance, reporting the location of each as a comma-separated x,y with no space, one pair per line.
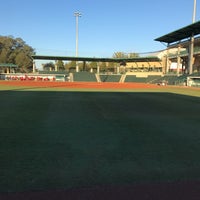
110,78
171,79
84,77
152,78
130,78
156,79
133,78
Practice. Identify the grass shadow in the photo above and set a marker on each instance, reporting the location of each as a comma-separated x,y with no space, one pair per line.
78,139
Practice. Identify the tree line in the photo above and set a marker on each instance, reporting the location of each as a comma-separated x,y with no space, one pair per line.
16,51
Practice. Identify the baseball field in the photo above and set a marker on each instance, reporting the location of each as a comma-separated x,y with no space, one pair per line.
98,141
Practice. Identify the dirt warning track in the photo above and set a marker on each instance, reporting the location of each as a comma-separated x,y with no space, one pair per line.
79,85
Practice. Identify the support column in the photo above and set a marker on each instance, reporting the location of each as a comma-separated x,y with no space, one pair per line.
185,63
7,70
190,55
34,67
84,66
118,69
77,67
98,68
167,62
178,61
56,67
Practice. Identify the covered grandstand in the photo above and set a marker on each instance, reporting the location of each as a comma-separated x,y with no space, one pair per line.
186,45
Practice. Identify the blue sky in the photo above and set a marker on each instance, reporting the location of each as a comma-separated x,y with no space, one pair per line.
106,26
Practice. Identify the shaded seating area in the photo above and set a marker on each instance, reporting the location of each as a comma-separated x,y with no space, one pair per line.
110,78
152,78
84,76
133,78
156,79
171,80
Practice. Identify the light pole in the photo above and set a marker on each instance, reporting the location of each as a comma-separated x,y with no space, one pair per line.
77,15
194,12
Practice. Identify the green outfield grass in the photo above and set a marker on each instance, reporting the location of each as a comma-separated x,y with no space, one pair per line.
64,139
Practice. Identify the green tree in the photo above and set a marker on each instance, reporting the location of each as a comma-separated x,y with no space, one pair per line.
103,66
16,51
125,55
70,66
67,66
60,65
49,66
93,65
120,55
133,55
112,66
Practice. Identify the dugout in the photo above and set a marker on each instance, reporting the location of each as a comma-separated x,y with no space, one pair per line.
8,68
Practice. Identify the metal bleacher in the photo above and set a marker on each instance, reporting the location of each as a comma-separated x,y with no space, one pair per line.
148,79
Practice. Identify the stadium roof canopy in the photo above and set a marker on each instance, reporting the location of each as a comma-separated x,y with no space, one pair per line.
94,59
180,34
